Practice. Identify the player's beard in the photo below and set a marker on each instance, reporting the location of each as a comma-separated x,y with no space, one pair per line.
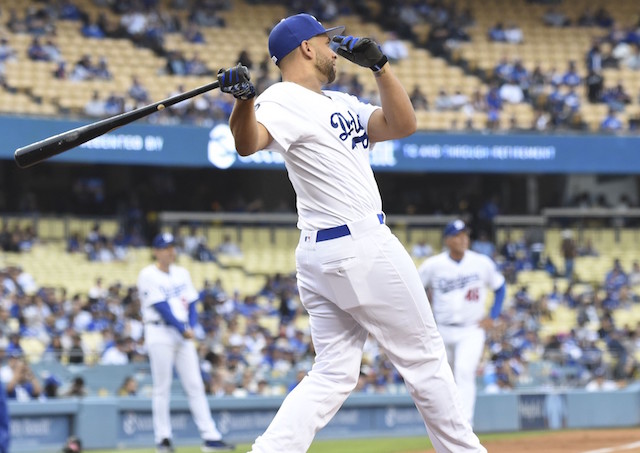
326,67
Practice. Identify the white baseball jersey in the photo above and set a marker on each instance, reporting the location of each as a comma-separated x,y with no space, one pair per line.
459,289
174,287
353,285
325,145
168,349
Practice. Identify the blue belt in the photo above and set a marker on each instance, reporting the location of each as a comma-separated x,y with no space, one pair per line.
339,231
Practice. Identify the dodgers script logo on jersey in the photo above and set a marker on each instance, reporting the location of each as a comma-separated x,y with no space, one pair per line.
174,291
350,127
450,284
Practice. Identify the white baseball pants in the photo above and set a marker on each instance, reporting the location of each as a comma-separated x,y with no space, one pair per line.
167,348
464,346
366,282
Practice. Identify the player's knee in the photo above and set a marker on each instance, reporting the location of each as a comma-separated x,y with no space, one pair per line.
340,382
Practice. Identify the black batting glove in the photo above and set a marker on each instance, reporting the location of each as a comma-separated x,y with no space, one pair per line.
236,81
362,51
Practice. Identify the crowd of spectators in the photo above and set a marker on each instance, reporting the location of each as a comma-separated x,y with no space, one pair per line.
591,349
555,95
145,25
259,344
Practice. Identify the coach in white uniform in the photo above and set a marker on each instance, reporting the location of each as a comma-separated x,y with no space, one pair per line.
353,274
169,313
457,282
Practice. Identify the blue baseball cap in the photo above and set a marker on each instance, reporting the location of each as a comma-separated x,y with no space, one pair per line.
52,380
290,32
163,240
453,228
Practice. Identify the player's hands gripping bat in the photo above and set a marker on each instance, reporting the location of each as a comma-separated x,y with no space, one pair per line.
362,51
236,81
188,334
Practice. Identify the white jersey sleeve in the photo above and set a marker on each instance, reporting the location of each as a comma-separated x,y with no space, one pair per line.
325,144
494,277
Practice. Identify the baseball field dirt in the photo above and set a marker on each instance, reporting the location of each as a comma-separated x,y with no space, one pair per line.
578,441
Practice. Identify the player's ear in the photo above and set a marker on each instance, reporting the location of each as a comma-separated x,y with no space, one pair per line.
307,49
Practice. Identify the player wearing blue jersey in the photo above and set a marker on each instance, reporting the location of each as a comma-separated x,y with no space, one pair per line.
457,281
168,300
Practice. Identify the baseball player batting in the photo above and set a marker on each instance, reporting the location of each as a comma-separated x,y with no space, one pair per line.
457,282
169,313
353,274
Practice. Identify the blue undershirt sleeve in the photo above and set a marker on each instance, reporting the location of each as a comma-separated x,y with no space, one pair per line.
193,314
164,310
498,300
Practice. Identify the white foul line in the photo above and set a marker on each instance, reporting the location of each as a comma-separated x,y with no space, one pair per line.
614,449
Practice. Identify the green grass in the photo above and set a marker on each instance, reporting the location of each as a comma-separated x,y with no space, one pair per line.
376,445
385,445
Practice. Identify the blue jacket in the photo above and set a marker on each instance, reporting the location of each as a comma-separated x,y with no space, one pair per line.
4,421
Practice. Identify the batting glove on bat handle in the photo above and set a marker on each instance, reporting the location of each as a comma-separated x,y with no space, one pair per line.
236,81
362,51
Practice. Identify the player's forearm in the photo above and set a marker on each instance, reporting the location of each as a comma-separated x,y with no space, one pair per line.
11,385
193,314
37,388
396,105
164,310
498,301
244,127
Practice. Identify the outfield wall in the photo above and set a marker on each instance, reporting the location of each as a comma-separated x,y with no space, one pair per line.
111,423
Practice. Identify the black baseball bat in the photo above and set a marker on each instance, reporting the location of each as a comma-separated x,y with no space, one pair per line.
44,149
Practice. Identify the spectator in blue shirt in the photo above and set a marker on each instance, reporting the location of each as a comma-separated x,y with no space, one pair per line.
483,245
571,78
616,278
23,385
611,123
572,100
193,34
92,30
494,102
521,77
594,58
555,105
36,51
503,70
616,98
496,33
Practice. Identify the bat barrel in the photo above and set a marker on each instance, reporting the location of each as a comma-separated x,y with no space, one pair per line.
44,149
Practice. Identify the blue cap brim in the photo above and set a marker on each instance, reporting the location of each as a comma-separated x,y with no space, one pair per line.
333,31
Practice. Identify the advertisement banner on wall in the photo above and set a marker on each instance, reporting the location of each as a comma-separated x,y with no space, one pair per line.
32,433
191,146
136,427
542,411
